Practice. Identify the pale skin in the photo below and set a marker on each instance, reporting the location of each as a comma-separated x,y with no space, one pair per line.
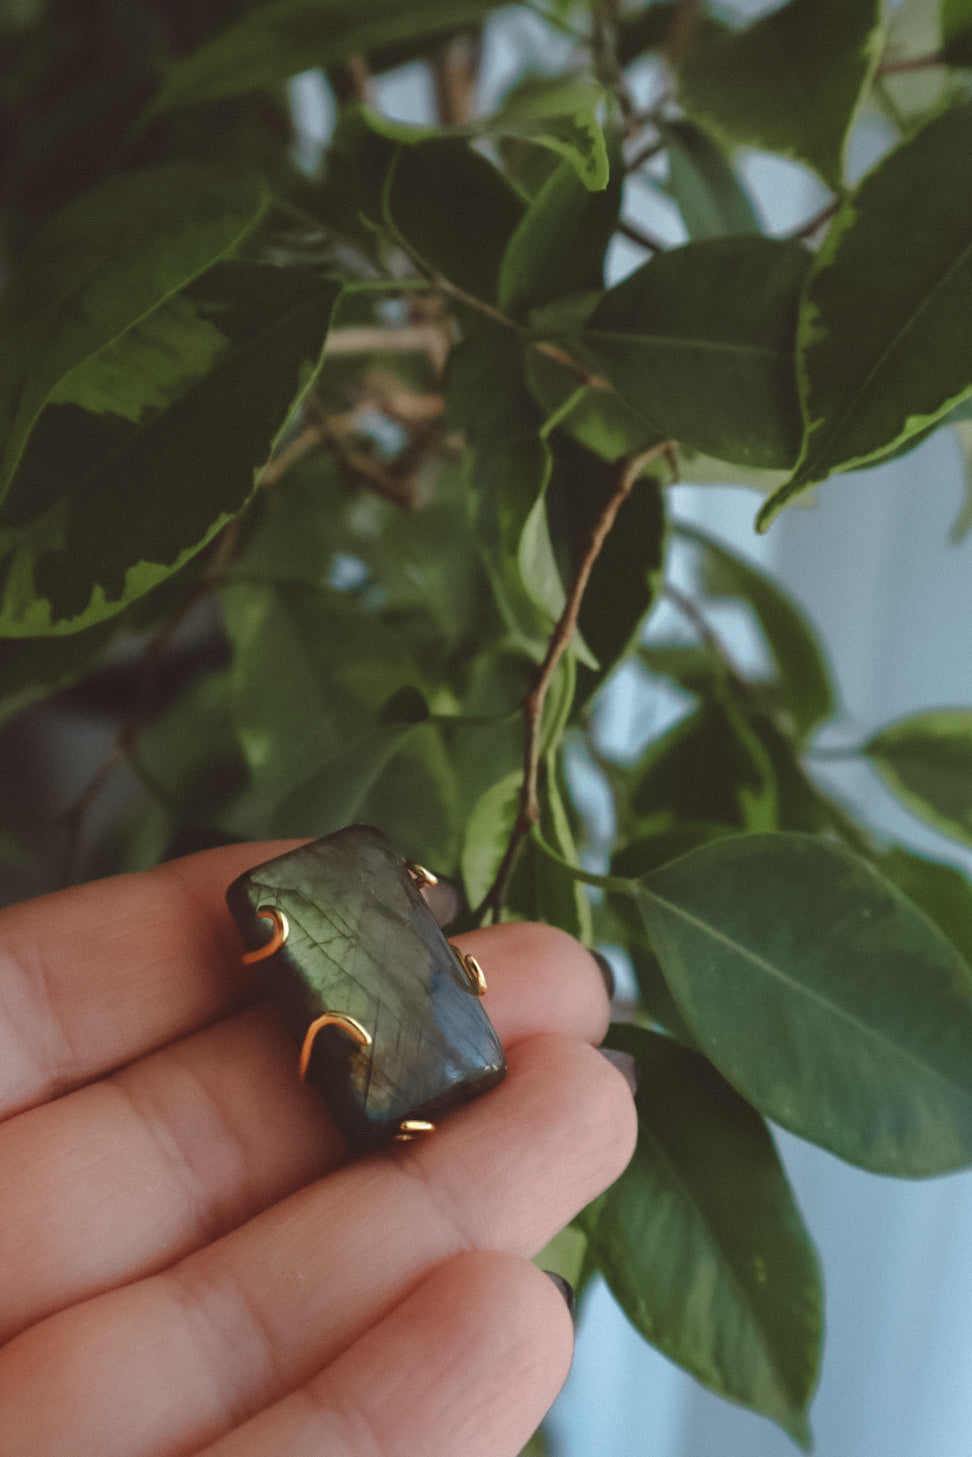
190,1262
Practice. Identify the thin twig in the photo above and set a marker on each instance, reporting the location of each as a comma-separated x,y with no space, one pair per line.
528,813
639,236
807,229
898,67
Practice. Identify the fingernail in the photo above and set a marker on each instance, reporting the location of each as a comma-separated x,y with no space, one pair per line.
607,972
565,1288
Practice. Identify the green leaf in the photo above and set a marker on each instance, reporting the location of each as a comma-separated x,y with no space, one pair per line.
791,83
957,32
941,891
702,1243
800,666
927,761
826,998
273,42
104,508
711,767
482,206
700,341
559,113
487,835
963,522
624,577
712,200
559,245
101,268
883,353
646,31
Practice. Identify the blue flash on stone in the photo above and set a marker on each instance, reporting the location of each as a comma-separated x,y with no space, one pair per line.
362,948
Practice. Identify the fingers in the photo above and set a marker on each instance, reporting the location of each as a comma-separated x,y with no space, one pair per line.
186,1144
201,1348
96,976
470,1362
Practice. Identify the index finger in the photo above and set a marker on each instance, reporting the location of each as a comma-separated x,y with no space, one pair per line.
95,976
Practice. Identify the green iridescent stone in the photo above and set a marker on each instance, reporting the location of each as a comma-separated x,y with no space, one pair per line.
362,943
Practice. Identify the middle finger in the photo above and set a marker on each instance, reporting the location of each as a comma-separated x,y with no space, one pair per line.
127,1175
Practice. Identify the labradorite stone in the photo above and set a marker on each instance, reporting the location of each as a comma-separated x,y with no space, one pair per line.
364,943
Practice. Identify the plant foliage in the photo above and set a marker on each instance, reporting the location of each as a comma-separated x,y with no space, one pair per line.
339,480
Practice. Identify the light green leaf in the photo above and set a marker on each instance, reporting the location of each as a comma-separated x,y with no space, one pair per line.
273,42
712,200
790,83
963,522
559,114
487,835
701,1240
800,667
104,266
830,1001
700,342
559,245
927,761
104,508
883,351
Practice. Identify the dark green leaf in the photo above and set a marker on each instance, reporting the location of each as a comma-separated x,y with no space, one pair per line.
623,579
941,891
647,31
712,200
700,343
482,207
927,761
823,995
701,1240
103,266
957,32
791,83
883,348
269,44
710,767
105,507
800,667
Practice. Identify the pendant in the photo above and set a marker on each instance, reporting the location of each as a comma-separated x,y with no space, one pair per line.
385,1012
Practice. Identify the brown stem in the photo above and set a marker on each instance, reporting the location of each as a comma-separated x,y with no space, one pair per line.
528,813
807,229
639,236
892,67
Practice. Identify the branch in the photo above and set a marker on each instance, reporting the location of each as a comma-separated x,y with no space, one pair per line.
639,236
807,229
897,67
528,813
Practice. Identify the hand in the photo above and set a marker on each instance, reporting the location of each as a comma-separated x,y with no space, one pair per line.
188,1261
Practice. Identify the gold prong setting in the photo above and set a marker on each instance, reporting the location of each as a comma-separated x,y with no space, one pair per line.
471,969
412,1128
281,930
348,1025
420,876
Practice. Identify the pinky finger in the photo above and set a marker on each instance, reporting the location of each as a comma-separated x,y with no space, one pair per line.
470,1362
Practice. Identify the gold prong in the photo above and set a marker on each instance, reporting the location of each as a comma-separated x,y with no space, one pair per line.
281,930
472,969
349,1025
420,876
412,1128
